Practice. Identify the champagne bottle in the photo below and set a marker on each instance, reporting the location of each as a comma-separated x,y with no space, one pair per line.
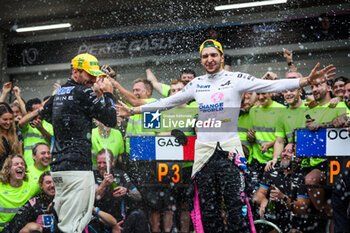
113,186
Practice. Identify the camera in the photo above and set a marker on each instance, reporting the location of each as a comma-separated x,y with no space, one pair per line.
105,70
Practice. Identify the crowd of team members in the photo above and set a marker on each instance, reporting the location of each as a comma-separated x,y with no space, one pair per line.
125,196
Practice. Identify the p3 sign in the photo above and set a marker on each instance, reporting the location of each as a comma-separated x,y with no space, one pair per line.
336,167
169,172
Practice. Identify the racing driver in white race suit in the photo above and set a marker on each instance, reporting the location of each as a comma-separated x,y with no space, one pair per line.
218,94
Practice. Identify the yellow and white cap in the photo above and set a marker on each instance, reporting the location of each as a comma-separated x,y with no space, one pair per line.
88,63
211,43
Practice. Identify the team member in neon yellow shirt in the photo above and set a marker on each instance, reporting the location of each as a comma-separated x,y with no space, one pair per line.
289,119
322,115
248,100
42,158
263,123
15,190
106,137
34,131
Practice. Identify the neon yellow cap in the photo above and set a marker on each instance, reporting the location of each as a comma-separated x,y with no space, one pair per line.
88,63
211,43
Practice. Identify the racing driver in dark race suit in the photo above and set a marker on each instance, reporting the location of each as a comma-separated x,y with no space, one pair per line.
71,111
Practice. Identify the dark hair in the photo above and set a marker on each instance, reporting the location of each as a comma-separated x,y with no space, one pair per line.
147,83
35,149
11,134
29,104
187,71
42,176
347,81
340,78
5,108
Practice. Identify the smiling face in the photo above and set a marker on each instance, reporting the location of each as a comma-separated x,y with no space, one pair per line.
102,164
140,90
16,113
48,187
212,60
347,94
175,88
42,157
187,77
17,170
320,91
292,97
338,88
287,155
264,99
6,121
83,78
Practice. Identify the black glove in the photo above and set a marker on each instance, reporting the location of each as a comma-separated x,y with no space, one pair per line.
180,136
227,60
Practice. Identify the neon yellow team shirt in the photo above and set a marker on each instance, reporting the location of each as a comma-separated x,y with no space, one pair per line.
114,142
32,136
33,177
263,120
289,120
165,90
11,199
243,127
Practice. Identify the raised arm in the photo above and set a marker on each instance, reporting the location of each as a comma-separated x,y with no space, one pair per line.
289,59
153,79
20,100
160,105
127,95
6,88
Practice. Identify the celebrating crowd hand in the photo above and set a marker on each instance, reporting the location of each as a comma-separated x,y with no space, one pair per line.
6,88
97,89
270,164
105,85
340,121
111,71
334,102
122,109
17,91
275,193
311,125
251,135
288,55
119,191
108,179
118,228
264,147
317,77
263,207
36,123
56,86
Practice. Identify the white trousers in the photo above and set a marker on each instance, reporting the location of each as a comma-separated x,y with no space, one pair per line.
74,199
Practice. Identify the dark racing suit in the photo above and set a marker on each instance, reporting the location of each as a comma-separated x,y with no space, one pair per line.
35,210
222,178
71,112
